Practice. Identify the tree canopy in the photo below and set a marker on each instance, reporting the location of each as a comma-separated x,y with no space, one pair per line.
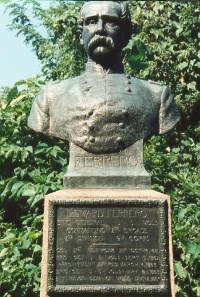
164,47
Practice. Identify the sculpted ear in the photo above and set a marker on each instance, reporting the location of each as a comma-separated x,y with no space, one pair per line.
80,30
81,39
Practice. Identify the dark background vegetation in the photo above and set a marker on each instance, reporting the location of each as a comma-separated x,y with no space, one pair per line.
165,48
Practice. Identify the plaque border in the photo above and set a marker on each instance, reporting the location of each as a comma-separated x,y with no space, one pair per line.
161,289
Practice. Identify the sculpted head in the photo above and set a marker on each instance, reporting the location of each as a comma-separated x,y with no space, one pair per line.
105,29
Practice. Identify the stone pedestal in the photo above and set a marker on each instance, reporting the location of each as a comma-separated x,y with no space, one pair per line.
114,242
124,169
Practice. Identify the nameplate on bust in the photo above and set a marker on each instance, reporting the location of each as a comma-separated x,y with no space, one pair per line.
116,170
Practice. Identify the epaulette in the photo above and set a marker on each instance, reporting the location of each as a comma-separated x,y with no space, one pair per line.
155,82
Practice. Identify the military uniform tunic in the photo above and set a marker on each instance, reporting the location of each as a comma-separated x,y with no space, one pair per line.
103,112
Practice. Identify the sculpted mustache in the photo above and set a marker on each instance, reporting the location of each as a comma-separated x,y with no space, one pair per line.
98,40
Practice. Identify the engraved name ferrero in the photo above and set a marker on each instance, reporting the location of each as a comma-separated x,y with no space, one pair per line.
110,245
106,161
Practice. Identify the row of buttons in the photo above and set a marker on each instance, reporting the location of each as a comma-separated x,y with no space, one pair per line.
124,112
92,139
127,89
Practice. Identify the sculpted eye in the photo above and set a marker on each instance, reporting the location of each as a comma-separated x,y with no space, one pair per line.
111,24
90,22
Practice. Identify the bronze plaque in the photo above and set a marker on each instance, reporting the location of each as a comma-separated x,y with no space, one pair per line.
108,246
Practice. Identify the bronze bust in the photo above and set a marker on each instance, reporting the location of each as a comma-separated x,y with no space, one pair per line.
104,110
104,113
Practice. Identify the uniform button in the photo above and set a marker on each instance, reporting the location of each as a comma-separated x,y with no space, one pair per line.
128,76
128,82
86,89
125,112
90,113
91,128
92,139
128,90
121,125
119,139
84,139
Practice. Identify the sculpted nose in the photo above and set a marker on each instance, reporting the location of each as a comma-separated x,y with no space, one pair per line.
100,27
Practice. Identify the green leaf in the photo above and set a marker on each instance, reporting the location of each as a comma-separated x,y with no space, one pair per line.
17,100
194,250
197,291
191,86
16,187
140,65
28,192
182,213
3,252
182,65
179,31
37,248
25,244
180,271
10,237
157,33
12,93
16,251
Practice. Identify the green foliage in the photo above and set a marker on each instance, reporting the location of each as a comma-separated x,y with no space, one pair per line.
30,167
166,44
29,162
176,171
164,47
20,257
171,31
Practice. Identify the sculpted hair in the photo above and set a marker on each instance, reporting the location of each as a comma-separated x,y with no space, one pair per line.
125,19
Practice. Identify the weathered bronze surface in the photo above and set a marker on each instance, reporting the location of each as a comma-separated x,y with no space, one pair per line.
110,246
104,111
97,113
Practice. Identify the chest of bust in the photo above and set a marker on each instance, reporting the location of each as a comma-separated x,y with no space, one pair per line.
110,90
108,96
105,111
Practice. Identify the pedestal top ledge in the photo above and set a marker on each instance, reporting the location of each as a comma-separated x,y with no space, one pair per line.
107,193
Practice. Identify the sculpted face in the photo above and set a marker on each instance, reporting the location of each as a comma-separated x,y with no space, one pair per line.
102,30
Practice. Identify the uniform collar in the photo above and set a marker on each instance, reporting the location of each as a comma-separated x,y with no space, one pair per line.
94,68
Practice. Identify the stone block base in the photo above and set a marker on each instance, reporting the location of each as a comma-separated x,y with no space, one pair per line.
114,242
